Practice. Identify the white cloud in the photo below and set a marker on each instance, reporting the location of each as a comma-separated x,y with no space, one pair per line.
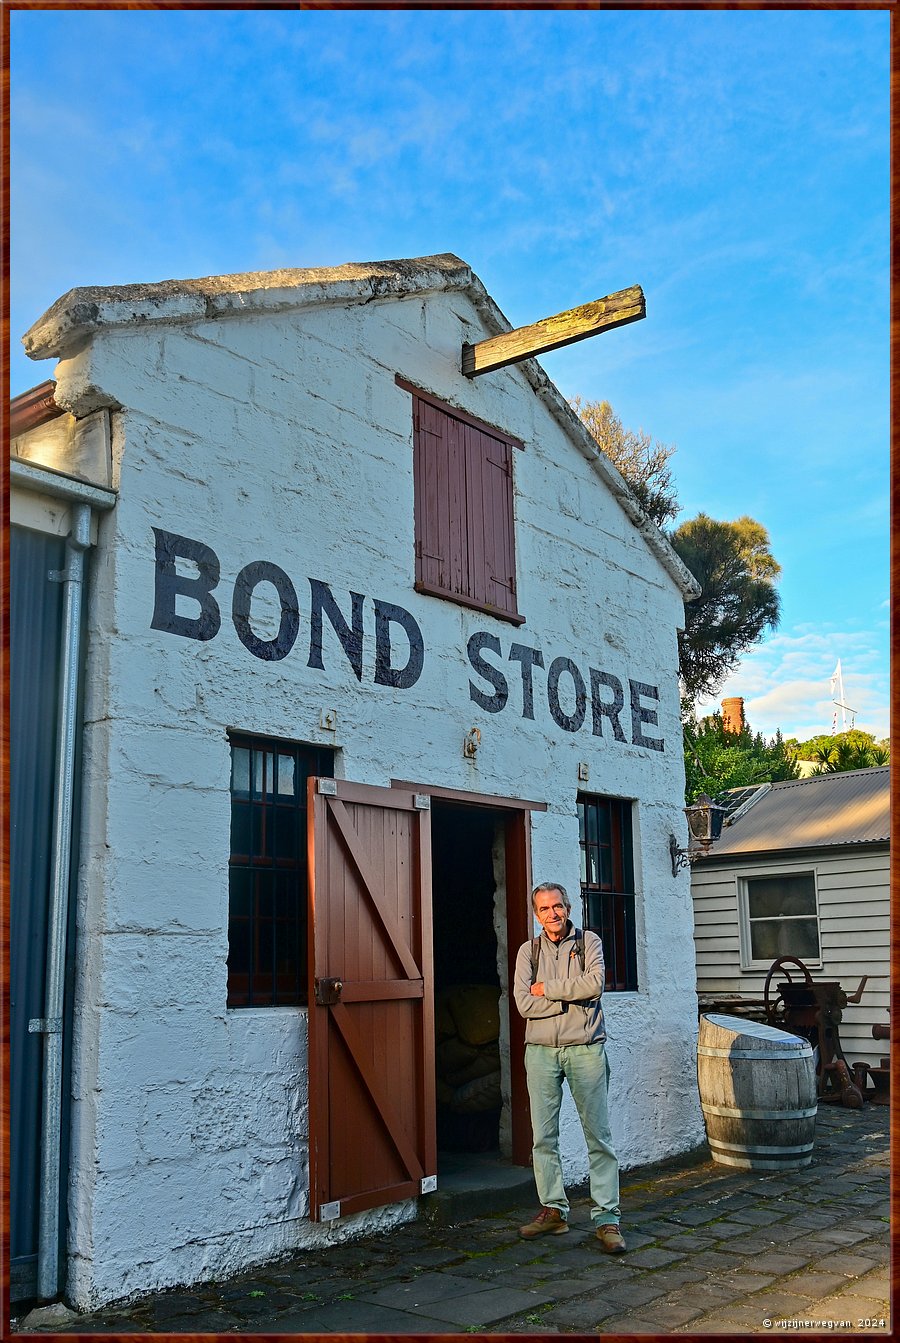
786,682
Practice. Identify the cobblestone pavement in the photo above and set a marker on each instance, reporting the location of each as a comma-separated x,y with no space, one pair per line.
711,1250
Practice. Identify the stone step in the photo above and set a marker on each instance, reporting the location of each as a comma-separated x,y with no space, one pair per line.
475,1184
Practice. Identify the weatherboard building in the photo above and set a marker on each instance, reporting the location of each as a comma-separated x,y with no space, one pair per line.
342,647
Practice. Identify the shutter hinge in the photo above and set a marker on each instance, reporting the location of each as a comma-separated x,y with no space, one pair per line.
421,802
328,1212
429,1184
328,787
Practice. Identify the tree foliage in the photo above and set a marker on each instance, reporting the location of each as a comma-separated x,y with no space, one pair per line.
845,755
716,760
737,572
643,462
731,561
821,747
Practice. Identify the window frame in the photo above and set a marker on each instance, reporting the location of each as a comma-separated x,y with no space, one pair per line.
314,760
743,878
618,906
461,509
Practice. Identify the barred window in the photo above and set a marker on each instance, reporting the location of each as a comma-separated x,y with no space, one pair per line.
607,883
267,879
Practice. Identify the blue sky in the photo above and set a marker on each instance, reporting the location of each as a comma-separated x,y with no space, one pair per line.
733,163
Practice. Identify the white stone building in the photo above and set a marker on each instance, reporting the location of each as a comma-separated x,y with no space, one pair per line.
320,550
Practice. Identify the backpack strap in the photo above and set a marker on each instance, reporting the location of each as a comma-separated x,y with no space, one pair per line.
536,951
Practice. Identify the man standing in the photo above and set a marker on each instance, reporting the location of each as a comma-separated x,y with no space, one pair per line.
558,993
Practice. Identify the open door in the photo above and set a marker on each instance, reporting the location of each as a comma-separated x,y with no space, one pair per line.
371,1001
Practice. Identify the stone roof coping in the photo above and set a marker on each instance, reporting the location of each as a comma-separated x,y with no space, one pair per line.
73,318
79,312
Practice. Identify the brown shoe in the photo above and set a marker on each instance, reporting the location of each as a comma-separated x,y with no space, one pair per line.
610,1239
549,1222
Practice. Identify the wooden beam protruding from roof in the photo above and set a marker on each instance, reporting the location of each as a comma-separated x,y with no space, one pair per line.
628,305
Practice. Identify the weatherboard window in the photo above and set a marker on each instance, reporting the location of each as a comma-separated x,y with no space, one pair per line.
781,918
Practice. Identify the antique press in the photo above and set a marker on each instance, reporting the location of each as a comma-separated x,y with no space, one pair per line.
812,1008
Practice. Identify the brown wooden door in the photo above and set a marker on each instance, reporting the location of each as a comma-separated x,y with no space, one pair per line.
371,1005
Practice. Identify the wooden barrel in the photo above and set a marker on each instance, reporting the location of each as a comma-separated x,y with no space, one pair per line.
757,1092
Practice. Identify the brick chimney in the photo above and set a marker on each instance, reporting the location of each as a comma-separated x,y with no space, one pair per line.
733,715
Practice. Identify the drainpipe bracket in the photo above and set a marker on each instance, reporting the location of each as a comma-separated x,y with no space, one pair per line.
45,1026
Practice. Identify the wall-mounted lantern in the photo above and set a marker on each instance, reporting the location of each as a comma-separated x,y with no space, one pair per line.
704,820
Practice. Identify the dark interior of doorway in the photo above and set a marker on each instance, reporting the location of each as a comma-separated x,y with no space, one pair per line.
466,978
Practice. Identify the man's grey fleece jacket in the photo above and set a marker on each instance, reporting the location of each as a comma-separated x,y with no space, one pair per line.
570,1012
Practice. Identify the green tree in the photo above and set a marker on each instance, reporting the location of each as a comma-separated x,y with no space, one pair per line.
643,462
738,602
716,760
731,561
823,747
845,755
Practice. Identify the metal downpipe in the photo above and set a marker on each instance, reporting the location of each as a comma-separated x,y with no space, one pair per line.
72,577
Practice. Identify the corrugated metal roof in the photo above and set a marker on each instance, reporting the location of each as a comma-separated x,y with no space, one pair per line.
825,810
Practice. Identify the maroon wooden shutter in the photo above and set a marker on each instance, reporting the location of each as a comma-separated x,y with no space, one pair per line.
499,533
465,535
371,1004
436,463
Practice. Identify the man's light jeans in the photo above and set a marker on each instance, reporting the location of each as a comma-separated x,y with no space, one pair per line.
584,1067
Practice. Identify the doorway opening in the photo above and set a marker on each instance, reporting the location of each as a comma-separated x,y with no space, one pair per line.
470,979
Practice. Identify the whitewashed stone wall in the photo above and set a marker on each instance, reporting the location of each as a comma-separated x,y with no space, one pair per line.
283,437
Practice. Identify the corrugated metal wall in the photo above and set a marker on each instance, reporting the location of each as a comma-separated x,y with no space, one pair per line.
35,638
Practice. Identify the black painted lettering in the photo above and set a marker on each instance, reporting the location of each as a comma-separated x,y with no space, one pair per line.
529,658
261,571
385,673
490,703
606,708
351,636
641,715
570,722
170,584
